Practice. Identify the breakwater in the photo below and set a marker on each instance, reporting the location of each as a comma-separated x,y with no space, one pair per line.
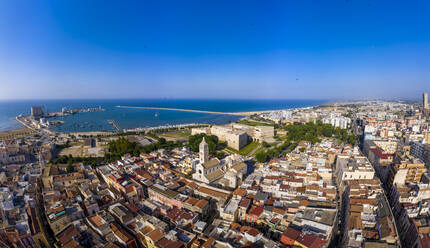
190,110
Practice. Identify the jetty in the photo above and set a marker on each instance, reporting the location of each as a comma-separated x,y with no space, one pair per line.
115,125
195,111
25,124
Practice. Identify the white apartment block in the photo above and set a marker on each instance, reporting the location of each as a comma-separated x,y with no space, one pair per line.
353,168
339,121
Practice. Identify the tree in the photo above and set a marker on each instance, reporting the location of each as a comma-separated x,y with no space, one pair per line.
327,131
70,159
313,131
162,141
195,140
70,168
261,157
220,155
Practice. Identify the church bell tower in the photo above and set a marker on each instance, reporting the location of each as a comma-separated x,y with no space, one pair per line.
204,151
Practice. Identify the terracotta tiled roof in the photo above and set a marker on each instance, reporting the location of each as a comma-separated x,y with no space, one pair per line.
167,243
146,230
213,192
208,243
96,220
279,211
121,233
253,232
244,203
132,207
239,192
201,203
244,229
65,236
291,233
257,211
235,226
155,234
191,201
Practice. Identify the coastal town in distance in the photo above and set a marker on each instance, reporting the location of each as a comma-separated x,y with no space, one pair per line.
341,174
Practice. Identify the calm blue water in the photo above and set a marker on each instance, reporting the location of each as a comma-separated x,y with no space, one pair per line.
134,118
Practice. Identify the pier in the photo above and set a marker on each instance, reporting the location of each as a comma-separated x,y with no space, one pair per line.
25,124
195,111
115,125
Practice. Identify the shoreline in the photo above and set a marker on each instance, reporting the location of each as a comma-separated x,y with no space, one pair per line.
137,129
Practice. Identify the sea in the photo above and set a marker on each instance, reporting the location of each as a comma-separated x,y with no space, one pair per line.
128,118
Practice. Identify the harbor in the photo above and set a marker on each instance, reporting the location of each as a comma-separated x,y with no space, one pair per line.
66,112
91,116
38,119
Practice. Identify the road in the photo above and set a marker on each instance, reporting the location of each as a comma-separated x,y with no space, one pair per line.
43,222
42,217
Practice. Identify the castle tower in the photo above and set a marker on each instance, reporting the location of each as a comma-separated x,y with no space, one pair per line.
204,151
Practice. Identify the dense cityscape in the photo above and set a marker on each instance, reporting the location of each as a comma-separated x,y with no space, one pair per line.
345,174
214,124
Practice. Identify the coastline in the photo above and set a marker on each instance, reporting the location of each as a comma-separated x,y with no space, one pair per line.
23,123
241,115
138,129
144,129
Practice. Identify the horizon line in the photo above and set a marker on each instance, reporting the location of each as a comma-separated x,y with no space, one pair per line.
221,99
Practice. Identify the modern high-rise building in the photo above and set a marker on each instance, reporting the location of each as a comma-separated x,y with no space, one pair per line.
425,100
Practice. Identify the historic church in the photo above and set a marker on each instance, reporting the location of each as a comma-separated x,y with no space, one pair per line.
210,171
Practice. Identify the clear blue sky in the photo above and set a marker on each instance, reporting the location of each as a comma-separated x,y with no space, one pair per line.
287,49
